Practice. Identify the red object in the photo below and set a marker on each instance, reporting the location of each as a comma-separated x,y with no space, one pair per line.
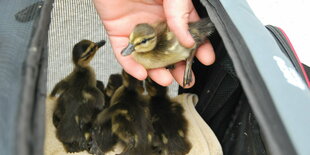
293,49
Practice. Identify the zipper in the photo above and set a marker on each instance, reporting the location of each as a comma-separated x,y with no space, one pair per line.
287,48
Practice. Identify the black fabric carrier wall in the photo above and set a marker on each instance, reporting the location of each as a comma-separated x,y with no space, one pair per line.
260,106
255,96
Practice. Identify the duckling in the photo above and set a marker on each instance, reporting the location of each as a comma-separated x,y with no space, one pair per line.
59,111
130,117
155,46
79,100
114,82
169,123
100,86
103,140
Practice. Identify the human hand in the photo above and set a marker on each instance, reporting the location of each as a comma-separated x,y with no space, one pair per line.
121,16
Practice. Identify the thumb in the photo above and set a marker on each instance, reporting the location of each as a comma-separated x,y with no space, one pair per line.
178,13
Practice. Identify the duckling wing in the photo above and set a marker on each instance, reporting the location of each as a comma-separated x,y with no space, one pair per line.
103,140
106,114
58,113
161,58
170,126
69,133
94,97
60,86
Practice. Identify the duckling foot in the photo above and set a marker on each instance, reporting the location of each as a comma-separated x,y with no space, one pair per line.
72,147
94,148
187,79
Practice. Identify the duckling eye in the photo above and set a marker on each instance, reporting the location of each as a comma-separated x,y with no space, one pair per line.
144,41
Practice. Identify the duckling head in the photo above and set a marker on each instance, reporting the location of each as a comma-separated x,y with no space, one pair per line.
155,89
115,81
84,51
142,39
132,83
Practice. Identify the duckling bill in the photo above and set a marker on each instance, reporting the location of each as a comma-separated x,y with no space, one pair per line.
79,100
155,46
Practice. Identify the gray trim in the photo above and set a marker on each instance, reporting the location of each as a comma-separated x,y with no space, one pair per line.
14,40
30,119
280,105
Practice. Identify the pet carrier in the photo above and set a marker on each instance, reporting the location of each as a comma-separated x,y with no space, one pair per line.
255,97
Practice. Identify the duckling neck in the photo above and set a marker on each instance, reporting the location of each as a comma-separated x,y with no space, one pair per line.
82,68
85,74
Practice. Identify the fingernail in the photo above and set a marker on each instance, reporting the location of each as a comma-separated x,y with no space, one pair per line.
191,84
139,74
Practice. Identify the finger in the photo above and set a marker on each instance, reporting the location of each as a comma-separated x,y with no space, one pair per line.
178,13
205,54
127,62
161,76
193,16
178,74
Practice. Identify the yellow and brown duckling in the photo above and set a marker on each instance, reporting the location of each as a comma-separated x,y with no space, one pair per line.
169,122
155,46
114,82
100,86
79,100
103,140
130,117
